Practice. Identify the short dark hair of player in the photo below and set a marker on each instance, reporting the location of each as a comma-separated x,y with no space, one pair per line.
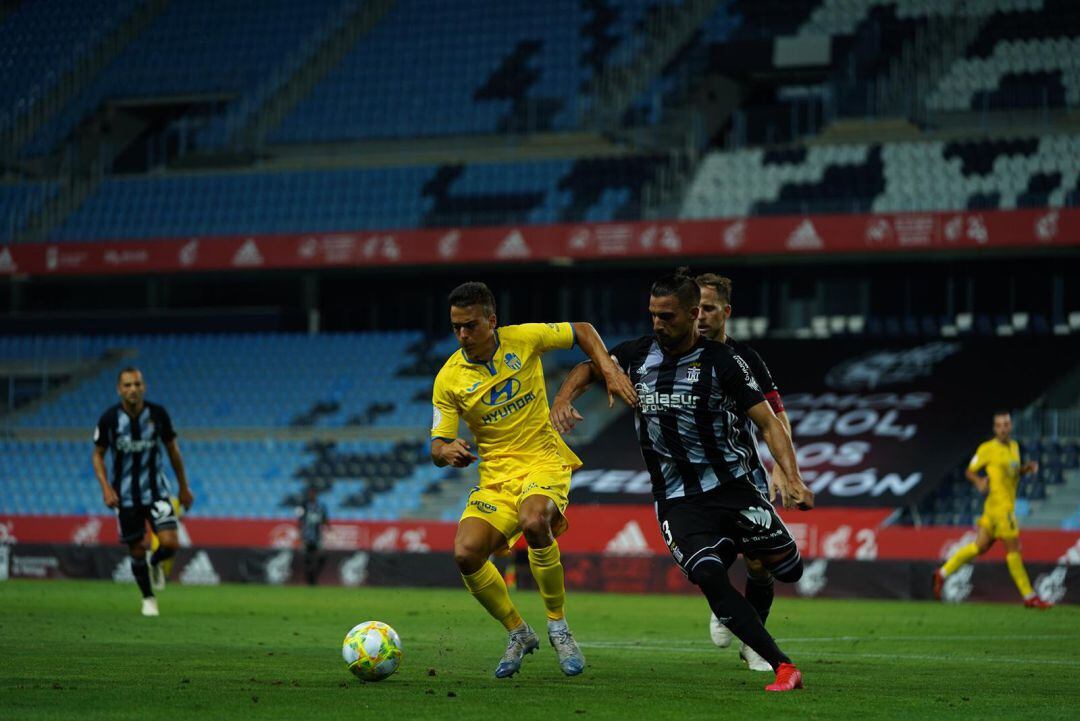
473,293
129,369
720,285
999,413
680,285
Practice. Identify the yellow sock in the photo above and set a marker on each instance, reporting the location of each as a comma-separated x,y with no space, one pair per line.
958,559
488,587
546,565
1019,573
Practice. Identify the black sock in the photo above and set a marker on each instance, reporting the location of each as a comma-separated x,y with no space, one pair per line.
162,554
736,613
759,594
142,576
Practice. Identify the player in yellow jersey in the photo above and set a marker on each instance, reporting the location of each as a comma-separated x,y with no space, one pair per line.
495,383
1000,457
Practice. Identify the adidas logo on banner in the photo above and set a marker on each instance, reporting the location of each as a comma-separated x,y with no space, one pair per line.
248,254
630,541
513,246
122,573
199,572
805,237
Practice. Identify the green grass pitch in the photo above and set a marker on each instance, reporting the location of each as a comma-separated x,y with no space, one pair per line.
80,650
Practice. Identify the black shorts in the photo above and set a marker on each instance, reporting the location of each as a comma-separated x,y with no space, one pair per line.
132,519
720,524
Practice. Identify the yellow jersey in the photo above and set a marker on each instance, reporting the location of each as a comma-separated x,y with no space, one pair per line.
504,403
1002,464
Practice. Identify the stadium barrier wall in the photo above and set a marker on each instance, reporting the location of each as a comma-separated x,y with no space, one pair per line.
775,235
823,578
609,530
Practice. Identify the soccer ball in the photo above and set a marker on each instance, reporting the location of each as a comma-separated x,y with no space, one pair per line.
372,650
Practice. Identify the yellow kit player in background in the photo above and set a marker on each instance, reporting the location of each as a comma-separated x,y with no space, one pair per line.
495,383
1000,457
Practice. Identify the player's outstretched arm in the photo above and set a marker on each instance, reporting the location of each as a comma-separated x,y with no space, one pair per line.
618,384
187,498
107,493
777,478
455,453
793,492
563,414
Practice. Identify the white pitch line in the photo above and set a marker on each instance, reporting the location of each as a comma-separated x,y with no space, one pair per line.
834,654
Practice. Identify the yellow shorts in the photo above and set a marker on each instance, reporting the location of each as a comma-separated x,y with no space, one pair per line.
498,504
999,524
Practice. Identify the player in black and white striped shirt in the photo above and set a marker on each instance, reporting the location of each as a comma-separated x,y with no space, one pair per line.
697,401
135,430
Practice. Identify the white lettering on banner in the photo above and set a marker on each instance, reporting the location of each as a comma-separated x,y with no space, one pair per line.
334,248
867,550
914,231
127,257
448,244
861,483
613,481
735,235
958,586
884,401
961,227
284,535
189,253
579,239
1051,586
1046,227
954,544
813,580
33,566
878,230
354,569
7,533
279,568
339,537
835,544
413,541
1071,557
88,534
852,423
887,367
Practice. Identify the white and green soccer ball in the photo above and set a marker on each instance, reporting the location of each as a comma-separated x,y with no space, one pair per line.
372,650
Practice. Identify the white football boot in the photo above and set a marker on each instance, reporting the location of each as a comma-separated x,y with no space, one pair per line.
149,607
719,633
753,659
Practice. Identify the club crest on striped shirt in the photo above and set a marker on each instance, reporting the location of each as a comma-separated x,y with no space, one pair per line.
512,361
693,373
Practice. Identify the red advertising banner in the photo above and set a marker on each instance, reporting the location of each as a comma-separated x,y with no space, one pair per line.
610,530
780,235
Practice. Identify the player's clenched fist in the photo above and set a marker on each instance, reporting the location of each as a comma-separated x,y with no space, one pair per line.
457,453
794,493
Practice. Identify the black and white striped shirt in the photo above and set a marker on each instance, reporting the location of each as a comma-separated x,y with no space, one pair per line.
138,473
691,422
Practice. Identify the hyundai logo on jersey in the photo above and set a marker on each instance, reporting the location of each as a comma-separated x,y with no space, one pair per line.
503,393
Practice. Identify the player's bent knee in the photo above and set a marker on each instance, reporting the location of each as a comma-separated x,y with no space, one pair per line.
788,569
707,570
536,529
468,558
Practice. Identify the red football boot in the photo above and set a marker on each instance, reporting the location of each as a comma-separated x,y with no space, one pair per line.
1036,602
788,678
939,583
